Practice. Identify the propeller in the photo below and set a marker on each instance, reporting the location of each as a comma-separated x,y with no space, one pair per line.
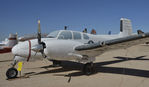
17,38
41,45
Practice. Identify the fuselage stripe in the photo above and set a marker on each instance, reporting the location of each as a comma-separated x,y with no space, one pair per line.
29,55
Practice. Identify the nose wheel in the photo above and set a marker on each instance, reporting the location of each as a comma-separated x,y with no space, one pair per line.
88,68
11,73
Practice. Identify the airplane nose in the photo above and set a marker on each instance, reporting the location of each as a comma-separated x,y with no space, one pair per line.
21,49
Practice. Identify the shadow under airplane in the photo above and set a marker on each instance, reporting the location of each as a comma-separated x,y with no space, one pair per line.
99,67
5,60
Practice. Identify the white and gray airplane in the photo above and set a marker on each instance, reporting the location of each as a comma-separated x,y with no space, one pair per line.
67,45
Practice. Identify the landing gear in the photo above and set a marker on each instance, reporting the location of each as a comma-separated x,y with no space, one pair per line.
56,63
11,73
88,68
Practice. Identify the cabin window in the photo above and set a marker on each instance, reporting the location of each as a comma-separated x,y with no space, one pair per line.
76,35
65,35
85,36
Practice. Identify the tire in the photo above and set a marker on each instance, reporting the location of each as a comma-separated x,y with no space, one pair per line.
56,63
88,68
11,73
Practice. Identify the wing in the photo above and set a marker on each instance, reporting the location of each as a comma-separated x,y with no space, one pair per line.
93,50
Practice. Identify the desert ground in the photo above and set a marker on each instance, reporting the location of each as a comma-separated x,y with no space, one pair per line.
118,68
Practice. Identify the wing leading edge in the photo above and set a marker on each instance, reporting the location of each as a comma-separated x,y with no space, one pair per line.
93,50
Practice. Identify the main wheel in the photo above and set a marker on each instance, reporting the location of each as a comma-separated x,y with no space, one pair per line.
56,63
11,73
88,68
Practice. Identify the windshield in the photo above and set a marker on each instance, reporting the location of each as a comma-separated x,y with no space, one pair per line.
53,34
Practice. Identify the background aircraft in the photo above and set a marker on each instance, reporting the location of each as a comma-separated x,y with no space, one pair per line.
30,36
13,39
67,45
7,45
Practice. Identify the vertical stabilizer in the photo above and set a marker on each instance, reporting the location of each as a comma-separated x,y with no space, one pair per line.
125,27
12,40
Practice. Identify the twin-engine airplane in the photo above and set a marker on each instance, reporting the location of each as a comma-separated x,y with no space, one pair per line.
64,45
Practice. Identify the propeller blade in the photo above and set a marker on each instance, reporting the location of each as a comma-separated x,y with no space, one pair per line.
39,33
43,54
17,37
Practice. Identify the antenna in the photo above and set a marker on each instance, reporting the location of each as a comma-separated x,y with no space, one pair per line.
85,30
65,27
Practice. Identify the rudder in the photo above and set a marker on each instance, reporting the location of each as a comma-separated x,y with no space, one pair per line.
125,27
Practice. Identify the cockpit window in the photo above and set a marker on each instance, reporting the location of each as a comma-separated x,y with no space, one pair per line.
65,35
53,34
85,36
76,35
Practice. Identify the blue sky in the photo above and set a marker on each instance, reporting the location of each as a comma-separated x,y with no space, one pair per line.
103,15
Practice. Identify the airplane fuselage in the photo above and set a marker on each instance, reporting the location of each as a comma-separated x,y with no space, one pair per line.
59,48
